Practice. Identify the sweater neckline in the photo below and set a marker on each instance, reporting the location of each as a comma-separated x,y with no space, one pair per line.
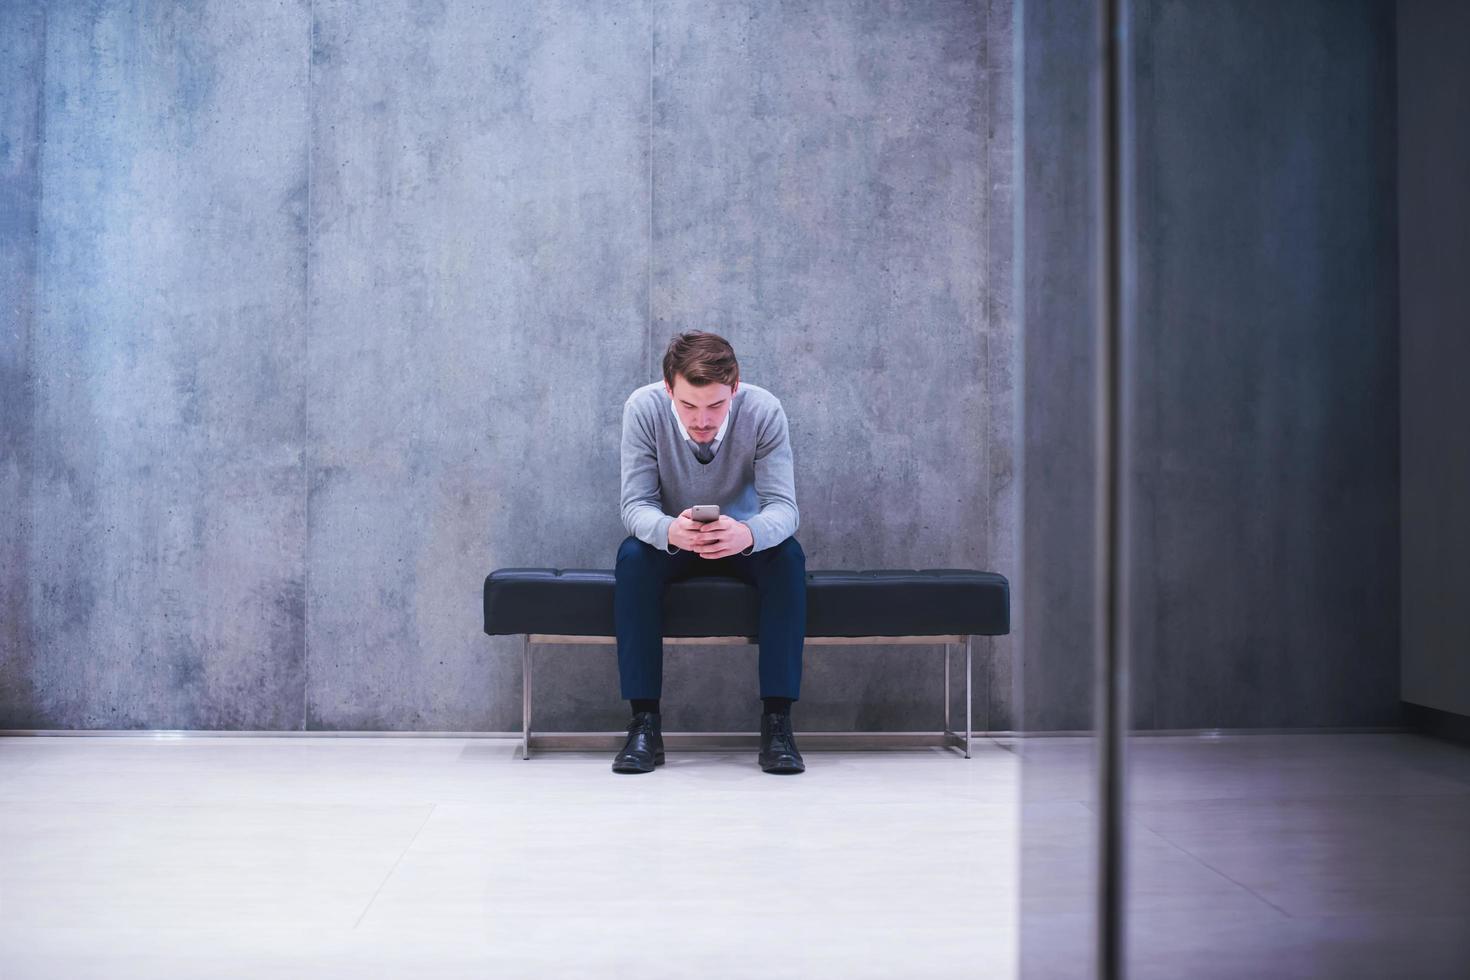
713,456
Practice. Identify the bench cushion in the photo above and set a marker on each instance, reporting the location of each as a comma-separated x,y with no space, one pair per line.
884,602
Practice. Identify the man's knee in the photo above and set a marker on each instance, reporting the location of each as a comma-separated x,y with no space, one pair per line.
789,552
634,552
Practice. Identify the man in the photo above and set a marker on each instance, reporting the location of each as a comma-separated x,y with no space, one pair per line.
701,437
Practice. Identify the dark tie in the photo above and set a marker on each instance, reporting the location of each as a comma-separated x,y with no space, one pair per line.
704,452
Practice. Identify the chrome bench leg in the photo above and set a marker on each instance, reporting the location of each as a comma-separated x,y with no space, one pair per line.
526,698
968,643
946,691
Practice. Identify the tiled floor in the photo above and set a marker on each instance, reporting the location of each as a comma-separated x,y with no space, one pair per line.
195,857
1251,856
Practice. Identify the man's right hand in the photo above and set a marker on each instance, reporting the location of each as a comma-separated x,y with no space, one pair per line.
686,533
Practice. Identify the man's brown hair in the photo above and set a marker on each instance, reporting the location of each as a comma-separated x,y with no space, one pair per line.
702,358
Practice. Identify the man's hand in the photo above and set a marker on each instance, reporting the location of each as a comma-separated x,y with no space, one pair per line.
683,532
720,538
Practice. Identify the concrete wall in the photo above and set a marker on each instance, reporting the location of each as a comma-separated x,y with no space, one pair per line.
334,314
22,46
166,567
318,307
1266,478
1434,305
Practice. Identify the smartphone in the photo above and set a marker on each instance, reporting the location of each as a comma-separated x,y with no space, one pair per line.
704,513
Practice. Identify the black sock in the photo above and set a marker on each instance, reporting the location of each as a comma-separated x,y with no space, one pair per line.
780,706
645,704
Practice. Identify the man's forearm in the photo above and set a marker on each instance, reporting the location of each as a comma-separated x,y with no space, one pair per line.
775,486
648,524
776,522
642,514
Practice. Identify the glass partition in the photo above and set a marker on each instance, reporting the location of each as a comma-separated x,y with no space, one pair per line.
1290,184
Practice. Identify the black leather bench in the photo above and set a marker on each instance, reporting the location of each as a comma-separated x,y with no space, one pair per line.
887,606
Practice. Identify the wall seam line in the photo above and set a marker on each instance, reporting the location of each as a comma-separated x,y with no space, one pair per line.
648,318
987,290
306,389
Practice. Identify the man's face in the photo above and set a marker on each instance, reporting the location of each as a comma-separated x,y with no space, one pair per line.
702,408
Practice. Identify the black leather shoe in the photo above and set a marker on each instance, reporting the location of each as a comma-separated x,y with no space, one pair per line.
645,746
778,745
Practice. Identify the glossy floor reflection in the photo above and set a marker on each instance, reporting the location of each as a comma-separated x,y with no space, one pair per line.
232,856
1264,856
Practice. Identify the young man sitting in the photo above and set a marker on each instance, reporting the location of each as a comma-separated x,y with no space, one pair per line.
702,437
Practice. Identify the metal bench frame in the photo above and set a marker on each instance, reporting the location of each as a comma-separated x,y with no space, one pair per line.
724,740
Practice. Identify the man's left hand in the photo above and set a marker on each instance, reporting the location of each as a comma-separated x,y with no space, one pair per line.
722,537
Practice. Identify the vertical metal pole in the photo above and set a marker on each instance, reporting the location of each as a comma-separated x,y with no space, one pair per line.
968,697
946,692
526,698
1111,593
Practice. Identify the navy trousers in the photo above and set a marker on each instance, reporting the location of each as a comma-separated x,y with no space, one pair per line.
779,573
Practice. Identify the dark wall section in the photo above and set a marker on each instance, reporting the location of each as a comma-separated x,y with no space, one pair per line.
1266,485
1057,860
1267,530
1058,286
1434,305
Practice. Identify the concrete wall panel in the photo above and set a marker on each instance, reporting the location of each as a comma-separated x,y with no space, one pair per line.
820,178
22,65
478,276
166,575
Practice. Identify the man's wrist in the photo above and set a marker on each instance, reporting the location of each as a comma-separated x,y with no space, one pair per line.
750,548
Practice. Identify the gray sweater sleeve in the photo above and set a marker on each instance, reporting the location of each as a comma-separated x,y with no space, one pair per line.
775,484
642,504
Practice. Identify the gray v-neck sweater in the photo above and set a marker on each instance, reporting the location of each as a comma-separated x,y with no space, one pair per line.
750,476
